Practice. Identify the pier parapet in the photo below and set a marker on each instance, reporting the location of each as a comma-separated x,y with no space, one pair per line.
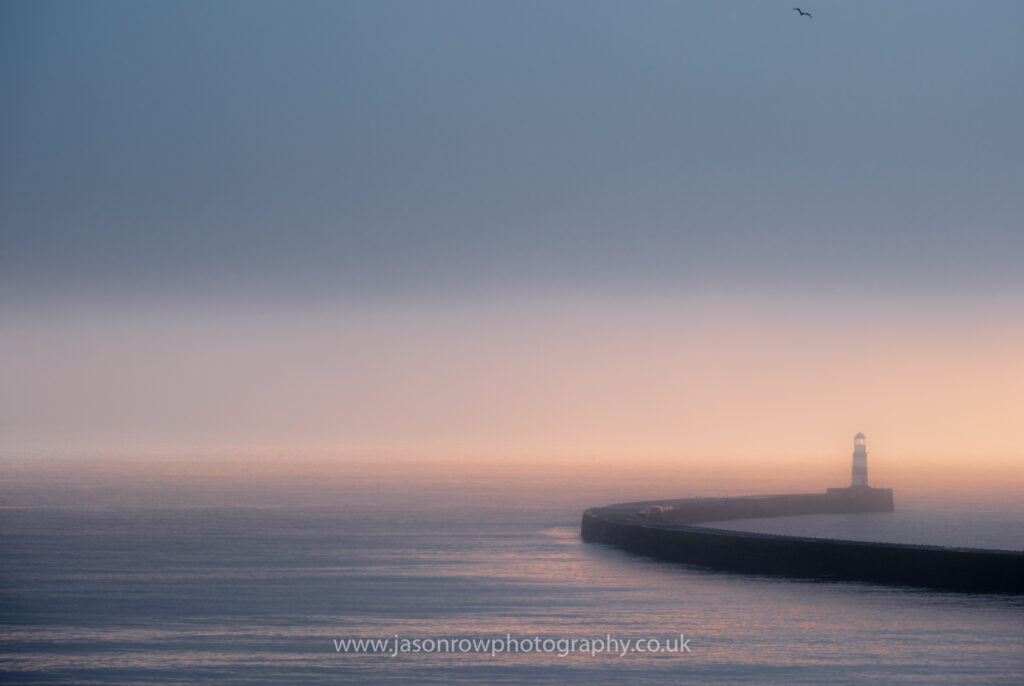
667,529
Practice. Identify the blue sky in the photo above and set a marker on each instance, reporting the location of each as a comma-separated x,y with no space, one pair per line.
496,228
355,150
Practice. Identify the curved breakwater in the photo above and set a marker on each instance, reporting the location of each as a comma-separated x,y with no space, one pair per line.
669,530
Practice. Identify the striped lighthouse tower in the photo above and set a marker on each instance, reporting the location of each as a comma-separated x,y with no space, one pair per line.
860,462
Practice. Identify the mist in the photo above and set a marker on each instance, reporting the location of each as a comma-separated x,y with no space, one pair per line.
733,382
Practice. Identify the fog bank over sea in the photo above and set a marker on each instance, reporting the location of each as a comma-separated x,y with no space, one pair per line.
160,578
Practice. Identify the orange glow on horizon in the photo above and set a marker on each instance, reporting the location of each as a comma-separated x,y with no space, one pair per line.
758,388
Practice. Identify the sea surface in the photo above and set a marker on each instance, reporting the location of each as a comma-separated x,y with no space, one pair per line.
923,522
144,590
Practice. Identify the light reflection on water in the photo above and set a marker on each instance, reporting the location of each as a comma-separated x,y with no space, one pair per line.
256,595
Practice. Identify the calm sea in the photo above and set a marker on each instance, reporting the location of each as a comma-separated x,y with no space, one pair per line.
142,590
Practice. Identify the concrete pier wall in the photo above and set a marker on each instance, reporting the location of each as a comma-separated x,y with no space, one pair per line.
665,530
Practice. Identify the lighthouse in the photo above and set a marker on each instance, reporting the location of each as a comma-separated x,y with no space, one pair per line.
858,496
860,462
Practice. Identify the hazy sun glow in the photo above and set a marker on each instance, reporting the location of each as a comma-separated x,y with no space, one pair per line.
717,235
772,387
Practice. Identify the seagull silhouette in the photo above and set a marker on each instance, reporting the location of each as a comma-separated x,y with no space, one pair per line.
802,13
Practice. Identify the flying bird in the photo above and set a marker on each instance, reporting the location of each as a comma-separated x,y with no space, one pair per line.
802,13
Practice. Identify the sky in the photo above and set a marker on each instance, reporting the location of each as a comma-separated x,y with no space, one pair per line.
515,228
